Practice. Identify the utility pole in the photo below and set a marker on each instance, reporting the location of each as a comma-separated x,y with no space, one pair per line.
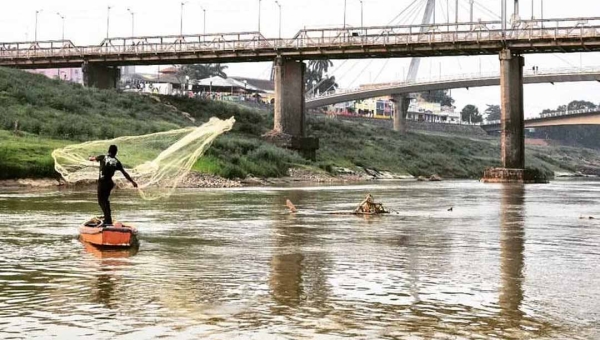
456,12
132,22
63,25
62,17
448,15
259,1
532,9
204,21
434,12
279,5
107,21
181,19
36,22
542,16
362,22
503,11
471,13
345,14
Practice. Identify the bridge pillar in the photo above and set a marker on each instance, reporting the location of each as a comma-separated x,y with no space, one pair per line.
289,128
102,77
512,125
512,118
401,103
289,97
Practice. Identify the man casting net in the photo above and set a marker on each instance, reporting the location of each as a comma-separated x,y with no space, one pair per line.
158,162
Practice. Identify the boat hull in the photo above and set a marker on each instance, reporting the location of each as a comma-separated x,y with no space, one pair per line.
118,236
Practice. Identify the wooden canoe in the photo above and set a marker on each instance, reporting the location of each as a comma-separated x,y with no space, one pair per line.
117,235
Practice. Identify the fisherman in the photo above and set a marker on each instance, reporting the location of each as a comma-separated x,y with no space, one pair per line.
109,164
368,206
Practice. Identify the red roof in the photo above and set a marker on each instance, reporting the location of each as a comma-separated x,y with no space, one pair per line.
169,70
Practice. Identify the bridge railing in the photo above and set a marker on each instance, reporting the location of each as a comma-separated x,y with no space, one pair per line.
362,36
567,112
452,78
553,114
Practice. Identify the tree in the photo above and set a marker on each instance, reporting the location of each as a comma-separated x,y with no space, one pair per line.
320,66
470,113
313,76
580,105
201,71
574,105
492,113
438,96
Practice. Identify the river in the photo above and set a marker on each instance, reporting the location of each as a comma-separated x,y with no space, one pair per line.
506,262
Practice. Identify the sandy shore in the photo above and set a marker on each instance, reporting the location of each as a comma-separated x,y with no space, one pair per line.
195,180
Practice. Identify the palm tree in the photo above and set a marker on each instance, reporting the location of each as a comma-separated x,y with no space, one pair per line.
201,71
320,66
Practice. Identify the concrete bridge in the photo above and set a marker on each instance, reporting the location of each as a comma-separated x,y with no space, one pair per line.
100,62
559,118
452,82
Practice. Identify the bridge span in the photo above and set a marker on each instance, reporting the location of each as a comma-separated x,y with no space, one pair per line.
470,38
566,118
548,77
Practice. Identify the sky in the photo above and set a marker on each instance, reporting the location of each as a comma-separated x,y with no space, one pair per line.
86,24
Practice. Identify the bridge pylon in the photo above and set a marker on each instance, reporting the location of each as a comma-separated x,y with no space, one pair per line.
289,117
100,76
401,103
512,125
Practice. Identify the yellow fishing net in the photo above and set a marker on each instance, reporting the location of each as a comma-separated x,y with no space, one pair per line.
157,162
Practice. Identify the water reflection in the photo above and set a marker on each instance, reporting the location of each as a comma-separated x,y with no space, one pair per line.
297,274
512,248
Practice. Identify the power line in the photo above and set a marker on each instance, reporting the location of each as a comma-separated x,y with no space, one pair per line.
404,10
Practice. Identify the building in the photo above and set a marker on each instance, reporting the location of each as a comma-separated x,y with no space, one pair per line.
74,75
166,84
266,87
422,111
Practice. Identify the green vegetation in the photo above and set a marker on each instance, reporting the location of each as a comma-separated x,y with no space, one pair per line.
492,113
584,135
51,114
59,110
27,156
201,71
470,114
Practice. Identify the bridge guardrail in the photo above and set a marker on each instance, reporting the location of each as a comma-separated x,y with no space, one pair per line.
364,36
553,114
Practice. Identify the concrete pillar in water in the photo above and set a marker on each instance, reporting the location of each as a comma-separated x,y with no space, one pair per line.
99,76
512,126
401,103
513,135
289,130
289,97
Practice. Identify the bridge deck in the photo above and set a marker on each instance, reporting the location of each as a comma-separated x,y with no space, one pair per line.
549,76
535,36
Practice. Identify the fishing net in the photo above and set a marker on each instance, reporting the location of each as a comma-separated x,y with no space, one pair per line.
158,162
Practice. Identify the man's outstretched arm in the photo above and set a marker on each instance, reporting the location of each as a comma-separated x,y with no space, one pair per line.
135,185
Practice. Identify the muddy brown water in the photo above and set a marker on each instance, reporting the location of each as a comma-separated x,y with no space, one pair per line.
507,262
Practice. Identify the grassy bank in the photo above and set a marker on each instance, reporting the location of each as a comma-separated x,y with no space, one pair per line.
50,114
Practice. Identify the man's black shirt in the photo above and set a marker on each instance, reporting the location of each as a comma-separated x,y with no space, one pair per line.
108,166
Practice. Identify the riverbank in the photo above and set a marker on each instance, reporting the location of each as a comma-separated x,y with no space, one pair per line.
38,115
199,180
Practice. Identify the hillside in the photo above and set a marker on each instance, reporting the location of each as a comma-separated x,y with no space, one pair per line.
50,113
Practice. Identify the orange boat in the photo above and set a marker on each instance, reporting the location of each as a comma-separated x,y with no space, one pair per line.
117,235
